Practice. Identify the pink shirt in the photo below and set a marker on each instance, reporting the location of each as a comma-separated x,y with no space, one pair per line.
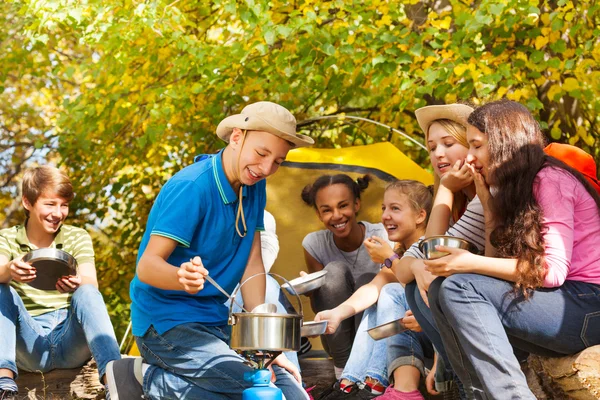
572,219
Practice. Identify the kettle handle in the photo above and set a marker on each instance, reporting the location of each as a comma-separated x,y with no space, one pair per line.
231,319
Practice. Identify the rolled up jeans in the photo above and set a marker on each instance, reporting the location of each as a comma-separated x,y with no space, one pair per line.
481,319
406,348
64,338
194,361
379,358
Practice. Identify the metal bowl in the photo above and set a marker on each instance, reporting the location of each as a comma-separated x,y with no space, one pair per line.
306,283
313,328
427,246
51,264
388,329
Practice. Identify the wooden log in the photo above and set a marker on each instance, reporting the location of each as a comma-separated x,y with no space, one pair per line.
78,383
573,377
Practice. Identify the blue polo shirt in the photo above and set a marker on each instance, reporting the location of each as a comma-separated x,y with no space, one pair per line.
197,209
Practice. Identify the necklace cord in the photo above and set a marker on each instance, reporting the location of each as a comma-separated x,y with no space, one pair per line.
240,208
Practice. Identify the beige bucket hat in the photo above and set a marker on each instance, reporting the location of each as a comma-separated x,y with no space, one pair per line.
454,112
268,117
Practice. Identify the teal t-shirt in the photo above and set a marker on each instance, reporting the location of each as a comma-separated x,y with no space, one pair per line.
197,208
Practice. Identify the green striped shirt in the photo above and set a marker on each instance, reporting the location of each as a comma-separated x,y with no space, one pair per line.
14,244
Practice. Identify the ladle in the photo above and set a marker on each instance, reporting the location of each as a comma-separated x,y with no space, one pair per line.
230,297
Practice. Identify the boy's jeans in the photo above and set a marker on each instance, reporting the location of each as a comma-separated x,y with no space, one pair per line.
64,338
379,358
194,361
480,317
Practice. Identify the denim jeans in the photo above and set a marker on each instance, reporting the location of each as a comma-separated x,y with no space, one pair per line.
444,376
368,357
65,338
273,295
481,319
408,347
379,358
194,361
338,287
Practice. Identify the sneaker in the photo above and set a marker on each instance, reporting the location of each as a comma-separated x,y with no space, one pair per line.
8,388
8,394
363,393
334,392
124,379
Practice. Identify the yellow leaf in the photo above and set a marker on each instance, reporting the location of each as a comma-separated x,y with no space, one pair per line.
501,91
573,140
541,80
446,53
546,19
540,42
570,84
515,95
521,56
569,16
568,6
553,91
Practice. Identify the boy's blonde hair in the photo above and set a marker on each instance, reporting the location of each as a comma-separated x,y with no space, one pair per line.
46,179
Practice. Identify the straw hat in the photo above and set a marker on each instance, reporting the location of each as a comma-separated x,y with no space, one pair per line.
268,117
454,112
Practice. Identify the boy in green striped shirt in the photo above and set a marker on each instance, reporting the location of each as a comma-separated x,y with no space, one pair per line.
42,330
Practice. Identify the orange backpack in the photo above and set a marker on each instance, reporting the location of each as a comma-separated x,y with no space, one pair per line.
576,158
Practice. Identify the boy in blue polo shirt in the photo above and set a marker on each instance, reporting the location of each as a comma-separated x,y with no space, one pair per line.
206,219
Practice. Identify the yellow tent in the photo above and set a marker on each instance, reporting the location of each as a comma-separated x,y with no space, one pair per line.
295,219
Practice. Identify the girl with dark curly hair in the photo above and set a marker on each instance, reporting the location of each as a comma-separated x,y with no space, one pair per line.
537,288
339,249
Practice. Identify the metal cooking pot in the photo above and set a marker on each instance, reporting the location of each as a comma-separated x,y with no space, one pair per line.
51,264
265,331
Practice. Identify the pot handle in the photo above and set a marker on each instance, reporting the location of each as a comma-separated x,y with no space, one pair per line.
231,319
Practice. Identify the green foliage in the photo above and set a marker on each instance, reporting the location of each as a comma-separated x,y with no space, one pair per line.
127,92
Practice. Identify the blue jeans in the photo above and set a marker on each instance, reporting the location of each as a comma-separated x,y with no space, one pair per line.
481,319
273,295
444,375
368,357
408,347
194,361
379,358
65,338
